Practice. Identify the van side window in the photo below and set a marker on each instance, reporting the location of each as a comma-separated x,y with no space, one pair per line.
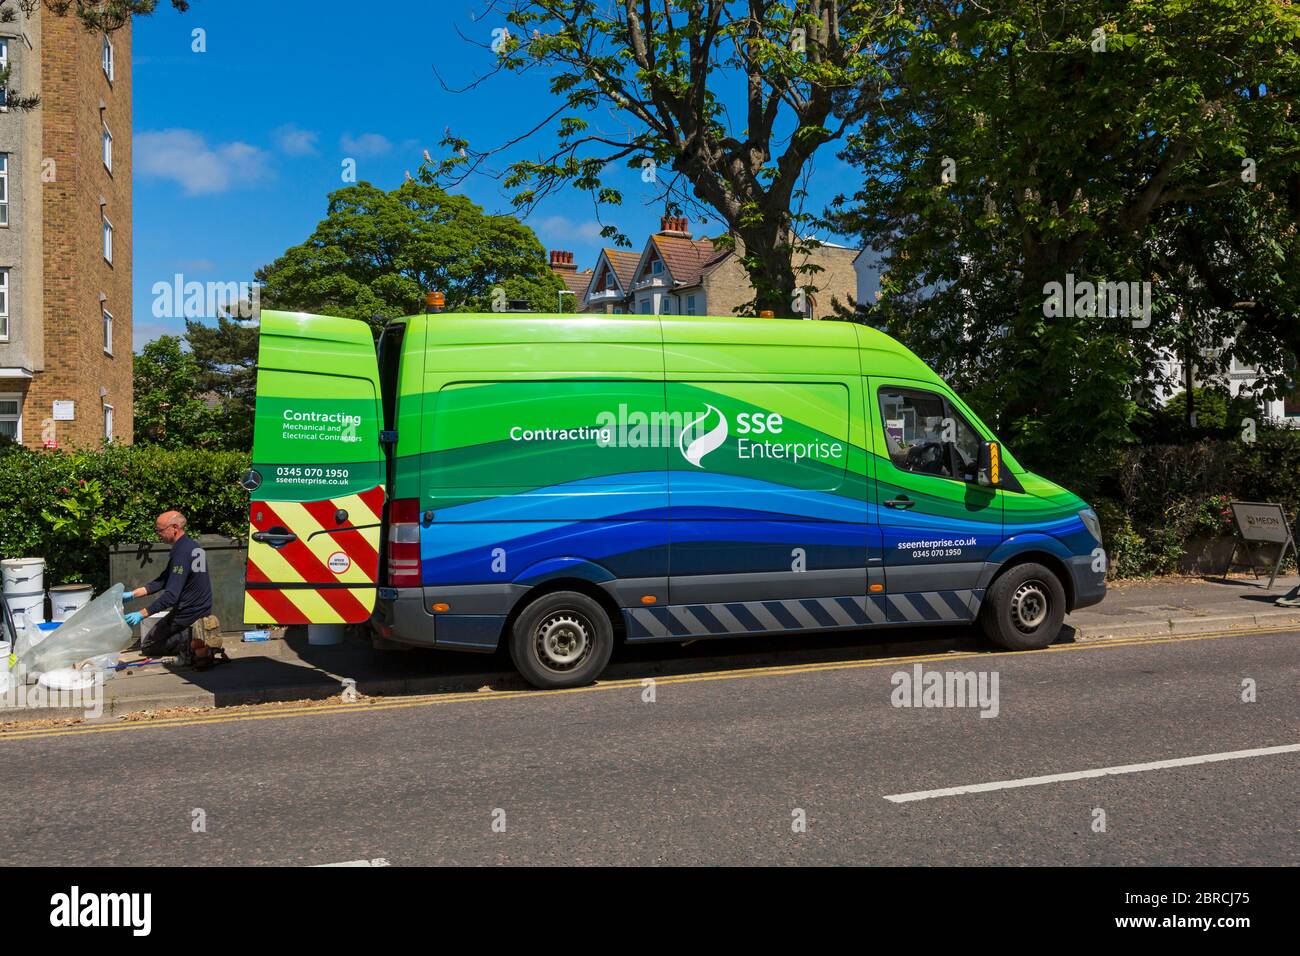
927,436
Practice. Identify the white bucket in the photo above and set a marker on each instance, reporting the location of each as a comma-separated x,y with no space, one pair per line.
67,599
22,575
26,607
325,634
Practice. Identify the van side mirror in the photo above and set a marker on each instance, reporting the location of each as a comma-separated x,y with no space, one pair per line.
990,469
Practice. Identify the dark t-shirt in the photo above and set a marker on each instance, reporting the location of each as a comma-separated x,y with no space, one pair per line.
186,589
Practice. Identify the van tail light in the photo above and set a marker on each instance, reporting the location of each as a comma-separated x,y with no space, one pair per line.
404,543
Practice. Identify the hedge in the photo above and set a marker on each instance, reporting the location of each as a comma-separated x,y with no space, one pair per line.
1159,498
69,507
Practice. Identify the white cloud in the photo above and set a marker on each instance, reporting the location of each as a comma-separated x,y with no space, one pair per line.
557,230
293,141
184,156
367,144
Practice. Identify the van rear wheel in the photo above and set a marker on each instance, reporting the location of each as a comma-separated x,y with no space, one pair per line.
562,639
1024,609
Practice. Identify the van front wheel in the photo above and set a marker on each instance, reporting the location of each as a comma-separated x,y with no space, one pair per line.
1024,609
562,639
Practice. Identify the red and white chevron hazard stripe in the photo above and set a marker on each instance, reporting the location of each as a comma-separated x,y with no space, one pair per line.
328,574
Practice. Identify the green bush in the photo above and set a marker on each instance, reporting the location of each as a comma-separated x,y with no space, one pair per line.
1161,497
69,507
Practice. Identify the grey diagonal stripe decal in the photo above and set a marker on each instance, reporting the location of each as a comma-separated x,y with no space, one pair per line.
800,614
764,616
941,607
688,620
904,607
837,613
727,619
649,622
876,612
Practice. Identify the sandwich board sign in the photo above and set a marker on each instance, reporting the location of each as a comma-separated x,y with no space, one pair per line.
1261,523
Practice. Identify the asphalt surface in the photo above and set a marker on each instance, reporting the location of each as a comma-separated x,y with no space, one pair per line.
711,772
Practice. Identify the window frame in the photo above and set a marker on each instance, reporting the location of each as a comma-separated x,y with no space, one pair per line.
106,147
950,411
17,418
108,329
5,295
107,237
108,59
4,190
108,423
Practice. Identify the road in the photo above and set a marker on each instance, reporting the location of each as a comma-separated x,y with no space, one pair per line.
716,769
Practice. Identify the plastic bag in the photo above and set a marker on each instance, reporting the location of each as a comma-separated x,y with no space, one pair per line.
98,629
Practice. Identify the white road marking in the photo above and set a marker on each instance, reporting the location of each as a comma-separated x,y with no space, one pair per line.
1087,774
379,861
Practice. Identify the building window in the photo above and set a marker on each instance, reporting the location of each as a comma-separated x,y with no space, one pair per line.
108,331
4,305
11,417
108,58
108,149
108,423
690,305
647,308
657,267
4,189
108,240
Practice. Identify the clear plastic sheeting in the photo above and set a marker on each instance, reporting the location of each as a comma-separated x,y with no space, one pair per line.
91,639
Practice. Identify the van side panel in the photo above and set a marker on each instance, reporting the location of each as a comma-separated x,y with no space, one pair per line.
539,464
770,530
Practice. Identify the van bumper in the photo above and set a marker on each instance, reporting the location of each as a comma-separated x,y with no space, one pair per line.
1089,586
402,615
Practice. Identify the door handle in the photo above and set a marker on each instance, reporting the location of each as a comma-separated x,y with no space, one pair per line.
277,537
902,501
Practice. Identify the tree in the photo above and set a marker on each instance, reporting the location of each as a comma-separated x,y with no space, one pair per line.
104,16
378,253
225,359
1034,146
170,409
800,71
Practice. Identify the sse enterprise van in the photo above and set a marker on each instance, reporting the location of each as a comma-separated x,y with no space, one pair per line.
560,482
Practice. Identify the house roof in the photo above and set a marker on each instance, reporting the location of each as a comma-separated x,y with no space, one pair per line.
623,262
687,259
576,282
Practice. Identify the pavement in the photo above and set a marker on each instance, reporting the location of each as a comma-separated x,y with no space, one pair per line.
1164,750
291,669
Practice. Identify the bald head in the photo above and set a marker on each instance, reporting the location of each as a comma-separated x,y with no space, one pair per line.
170,526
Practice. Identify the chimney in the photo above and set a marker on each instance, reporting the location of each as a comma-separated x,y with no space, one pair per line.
562,261
674,226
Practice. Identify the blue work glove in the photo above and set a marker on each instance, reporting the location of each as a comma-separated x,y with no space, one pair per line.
134,618
127,597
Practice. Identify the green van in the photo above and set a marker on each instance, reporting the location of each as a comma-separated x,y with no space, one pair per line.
561,482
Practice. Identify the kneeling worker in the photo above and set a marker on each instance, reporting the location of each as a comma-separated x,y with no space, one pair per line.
186,593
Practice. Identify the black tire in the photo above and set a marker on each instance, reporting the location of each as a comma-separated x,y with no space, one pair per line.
562,639
1024,609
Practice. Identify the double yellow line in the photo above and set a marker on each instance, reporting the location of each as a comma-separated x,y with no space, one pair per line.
372,705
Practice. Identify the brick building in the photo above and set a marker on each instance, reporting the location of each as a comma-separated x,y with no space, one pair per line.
65,243
676,274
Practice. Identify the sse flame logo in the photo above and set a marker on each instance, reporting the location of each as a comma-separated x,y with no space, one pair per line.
709,441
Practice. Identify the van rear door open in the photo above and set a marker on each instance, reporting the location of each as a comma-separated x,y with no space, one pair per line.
316,487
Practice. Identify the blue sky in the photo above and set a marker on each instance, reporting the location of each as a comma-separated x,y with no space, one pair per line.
237,148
